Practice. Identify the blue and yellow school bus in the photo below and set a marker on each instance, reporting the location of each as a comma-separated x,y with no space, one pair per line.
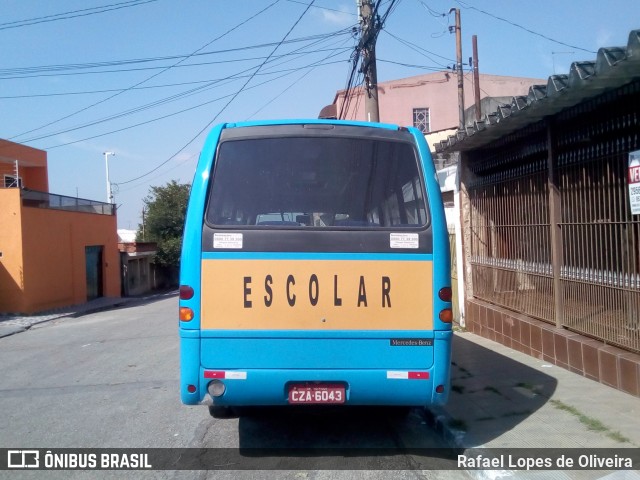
315,268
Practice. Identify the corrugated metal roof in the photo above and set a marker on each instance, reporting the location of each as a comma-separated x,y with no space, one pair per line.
612,68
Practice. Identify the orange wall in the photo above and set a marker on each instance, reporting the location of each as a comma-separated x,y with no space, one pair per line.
43,255
11,271
32,165
35,178
54,244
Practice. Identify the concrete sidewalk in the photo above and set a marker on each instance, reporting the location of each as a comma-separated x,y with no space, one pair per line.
502,398
12,324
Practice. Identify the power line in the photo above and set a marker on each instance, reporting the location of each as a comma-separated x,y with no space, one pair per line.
436,14
416,48
208,85
164,85
359,84
227,104
370,25
431,11
146,183
73,14
175,97
217,62
313,66
302,50
464,5
322,8
146,122
4,73
344,110
356,57
148,78
409,65
392,6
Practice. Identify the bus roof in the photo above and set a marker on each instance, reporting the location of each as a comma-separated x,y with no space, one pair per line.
315,121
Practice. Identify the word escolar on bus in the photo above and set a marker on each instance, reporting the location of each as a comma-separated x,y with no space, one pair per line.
314,291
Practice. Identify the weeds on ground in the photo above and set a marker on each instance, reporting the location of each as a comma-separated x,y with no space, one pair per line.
591,423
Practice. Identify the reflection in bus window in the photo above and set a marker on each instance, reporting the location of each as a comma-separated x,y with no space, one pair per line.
317,182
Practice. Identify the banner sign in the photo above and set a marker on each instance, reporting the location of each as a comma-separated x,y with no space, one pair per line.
634,182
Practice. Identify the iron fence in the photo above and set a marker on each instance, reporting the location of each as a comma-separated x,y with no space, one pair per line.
581,158
455,303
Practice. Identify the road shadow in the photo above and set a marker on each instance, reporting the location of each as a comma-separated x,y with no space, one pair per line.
491,393
345,437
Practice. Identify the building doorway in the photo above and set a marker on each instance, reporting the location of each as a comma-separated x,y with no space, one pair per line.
93,256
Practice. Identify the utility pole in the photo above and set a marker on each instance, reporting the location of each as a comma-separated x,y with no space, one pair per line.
144,211
476,78
370,27
459,68
106,162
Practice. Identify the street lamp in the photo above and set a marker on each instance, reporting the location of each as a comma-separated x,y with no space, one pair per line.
106,162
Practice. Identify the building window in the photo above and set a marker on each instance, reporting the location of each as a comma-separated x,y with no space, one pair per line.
421,119
11,181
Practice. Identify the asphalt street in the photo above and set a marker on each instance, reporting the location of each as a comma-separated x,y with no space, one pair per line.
109,379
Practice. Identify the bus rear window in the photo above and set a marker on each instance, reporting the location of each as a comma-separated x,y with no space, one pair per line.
316,182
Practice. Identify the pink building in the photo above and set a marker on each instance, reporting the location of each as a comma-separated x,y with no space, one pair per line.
429,102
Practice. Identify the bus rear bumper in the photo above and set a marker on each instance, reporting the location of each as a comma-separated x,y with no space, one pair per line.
261,387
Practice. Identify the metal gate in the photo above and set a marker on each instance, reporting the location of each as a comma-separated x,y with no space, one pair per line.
588,279
93,260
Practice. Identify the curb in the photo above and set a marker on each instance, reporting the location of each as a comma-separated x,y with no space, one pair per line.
8,330
14,324
440,421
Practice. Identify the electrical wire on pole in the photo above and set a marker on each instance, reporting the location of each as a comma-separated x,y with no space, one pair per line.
370,26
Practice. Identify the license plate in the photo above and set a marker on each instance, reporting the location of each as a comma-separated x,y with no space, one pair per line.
316,393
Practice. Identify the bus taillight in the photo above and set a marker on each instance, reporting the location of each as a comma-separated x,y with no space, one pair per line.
445,294
186,314
446,315
186,292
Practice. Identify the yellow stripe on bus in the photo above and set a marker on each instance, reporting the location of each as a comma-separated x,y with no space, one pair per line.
316,295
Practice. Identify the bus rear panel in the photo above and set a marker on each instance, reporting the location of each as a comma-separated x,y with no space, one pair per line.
315,268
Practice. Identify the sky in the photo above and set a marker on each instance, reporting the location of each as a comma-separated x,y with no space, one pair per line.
148,79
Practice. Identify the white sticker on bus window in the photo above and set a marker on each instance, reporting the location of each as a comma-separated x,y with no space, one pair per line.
403,240
227,240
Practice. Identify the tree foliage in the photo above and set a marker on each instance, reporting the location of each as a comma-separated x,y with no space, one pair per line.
166,207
